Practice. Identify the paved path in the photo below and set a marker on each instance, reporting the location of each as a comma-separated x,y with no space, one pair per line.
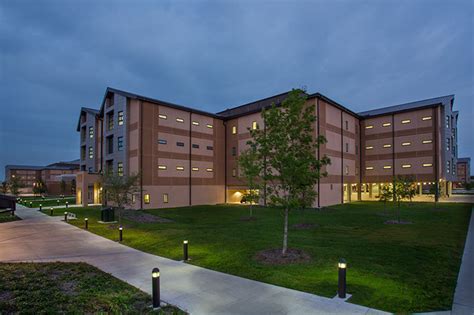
464,295
197,290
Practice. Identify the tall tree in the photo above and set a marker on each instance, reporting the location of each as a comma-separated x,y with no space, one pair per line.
249,172
119,190
286,148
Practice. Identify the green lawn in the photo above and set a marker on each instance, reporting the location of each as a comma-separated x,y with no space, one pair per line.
47,202
397,268
7,217
69,288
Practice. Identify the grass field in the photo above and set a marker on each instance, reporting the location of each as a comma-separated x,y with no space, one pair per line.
397,268
7,217
69,288
47,201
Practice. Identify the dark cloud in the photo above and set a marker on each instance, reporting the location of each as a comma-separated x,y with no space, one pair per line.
56,56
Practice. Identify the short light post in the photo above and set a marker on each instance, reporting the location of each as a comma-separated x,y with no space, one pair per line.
57,201
41,207
86,221
51,211
31,204
65,216
185,250
155,274
67,204
341,288
120,233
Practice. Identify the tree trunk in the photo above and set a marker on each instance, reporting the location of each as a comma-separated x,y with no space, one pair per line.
398,211
251,212
285,233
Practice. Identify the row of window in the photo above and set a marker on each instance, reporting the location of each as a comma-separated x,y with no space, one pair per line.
146,198
254,127
387,167
181,168
181,144
181,120
405,144
110,120
404,121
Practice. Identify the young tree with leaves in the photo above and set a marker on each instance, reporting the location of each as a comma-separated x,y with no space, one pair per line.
386,194
119,190
4,187
15,184
39,187
286,148
249,172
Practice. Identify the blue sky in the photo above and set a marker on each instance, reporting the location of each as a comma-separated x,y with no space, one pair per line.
56,56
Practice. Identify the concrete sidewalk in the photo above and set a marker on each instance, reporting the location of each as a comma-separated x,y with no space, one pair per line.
463,302
197,290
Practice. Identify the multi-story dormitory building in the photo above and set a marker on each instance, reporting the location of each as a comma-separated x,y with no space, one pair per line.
187,156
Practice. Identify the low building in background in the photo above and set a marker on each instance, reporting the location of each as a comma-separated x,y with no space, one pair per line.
51,175
188,157
463,172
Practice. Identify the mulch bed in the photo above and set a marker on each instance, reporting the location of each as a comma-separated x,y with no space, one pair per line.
397,222
141,217
304,226
274,257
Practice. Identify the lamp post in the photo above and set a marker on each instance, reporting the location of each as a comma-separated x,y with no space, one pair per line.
67,204
86,221
155,274
185,250
120,233
57,201
341,288
51,211
31,204
65,216
41,206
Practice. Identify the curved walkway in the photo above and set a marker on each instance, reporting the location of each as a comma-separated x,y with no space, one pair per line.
197,290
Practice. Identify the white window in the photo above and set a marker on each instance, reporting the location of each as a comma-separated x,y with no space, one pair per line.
406,121
209,126
387,167
406,165
146,198
195,169
386,124
387,145
234,130
180,168
91,132
208,169
195,123
120,169
347,170
406,144
180,120
254,125
161,116
91,152
162,141
165,198
369,168
369,127
427,141
427,165
369,147
120,118
162,167
426,118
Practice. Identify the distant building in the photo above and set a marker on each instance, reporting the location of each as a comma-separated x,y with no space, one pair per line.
51,175
186,156
463,171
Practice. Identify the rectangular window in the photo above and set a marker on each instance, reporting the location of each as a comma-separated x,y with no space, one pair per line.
406,144
387,167
91,152
162,167
195,146
347,125
146,198
448,144
180,168
426,118
120,118
180,120
119,143
195,169
369,147
347,147
110,117
180,144
427,164
406,166
369,127
448,166
110,145
90,170
161,116
209,126
234,151
427,141
210,147
447,121
386,124
234,130
357,170
120,169
369,168
387,145
208,169
195,123
254,125
91,132
134,198
406,121
162,141
347,170
165,198
234,172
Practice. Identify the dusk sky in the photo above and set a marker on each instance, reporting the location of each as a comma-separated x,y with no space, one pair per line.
56,56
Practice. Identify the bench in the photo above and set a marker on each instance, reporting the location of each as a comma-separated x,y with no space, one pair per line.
8,210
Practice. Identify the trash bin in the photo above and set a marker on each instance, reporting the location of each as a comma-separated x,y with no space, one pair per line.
107,214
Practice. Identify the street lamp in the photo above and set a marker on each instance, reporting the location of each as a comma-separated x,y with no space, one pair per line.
185,250
86,220
120,233
341,289
155,274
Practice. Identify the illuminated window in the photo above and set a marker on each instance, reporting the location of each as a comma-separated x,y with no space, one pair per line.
165,198
406,166
161,167
234,130
387,167
369,168
120,118
427,141
91,152
91,132
369,127
208,169
426,118
120,169
369,147
209,126
195,169
406,121
162,141
254,125
387,145
195,123
406,144
180,120
427,164
180,168
387,124
146,198
234,172
161,116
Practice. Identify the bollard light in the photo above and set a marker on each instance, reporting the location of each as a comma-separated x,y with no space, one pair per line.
57,201
65,216
51,211
86,220
341,288
41,207
120,233
31,204
155,274
67,204
185,250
